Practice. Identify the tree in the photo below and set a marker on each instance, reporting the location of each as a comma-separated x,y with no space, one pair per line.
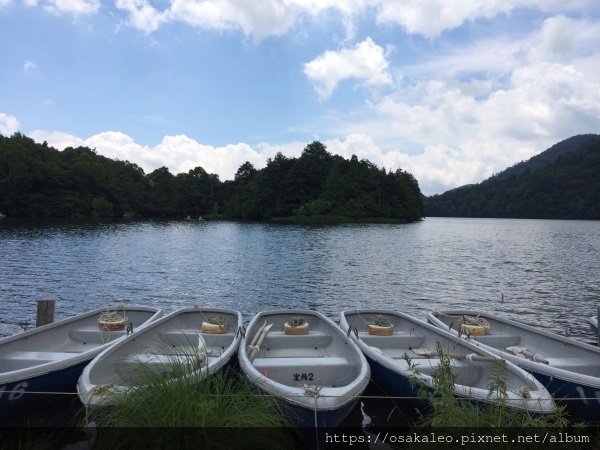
245,173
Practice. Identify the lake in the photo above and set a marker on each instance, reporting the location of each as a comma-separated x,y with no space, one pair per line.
543,272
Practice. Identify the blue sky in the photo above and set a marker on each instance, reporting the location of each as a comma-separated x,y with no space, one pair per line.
452,91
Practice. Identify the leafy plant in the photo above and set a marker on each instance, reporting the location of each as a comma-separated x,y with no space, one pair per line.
180,408
446,410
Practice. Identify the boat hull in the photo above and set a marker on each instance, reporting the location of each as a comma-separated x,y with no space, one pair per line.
577,391
593,322
473,367
301,417
316,378
170,340
41,362
581,402
22,395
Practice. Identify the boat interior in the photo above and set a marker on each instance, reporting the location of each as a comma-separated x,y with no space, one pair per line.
420,345
165,347
322,357
521,342
61,342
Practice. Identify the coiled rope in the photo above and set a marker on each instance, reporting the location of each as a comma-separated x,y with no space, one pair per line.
380,321
296,322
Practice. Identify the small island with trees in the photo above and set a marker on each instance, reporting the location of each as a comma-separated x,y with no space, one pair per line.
37,181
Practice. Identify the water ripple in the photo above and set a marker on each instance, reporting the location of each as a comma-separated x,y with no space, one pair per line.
541,272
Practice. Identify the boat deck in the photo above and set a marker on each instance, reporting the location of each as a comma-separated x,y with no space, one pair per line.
172,348
295,360
498,341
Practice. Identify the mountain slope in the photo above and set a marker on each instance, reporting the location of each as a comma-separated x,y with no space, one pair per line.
560,183
546,157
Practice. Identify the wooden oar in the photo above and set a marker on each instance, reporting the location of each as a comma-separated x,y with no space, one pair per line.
257,335
535,357
255,338
254,349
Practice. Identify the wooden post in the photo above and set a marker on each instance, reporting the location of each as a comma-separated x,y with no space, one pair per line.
45,312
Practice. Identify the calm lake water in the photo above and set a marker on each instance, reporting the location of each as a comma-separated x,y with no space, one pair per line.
548,272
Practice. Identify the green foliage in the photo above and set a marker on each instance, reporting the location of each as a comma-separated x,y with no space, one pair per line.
39,181
182,400
565,186
169,399
448,411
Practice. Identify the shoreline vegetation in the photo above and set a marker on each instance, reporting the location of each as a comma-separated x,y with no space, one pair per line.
38,181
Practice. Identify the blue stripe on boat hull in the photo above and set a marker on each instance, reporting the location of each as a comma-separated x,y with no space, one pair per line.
395,385
300,417
23,394
311,427
581,402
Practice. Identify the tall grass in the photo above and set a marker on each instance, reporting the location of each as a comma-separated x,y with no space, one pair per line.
180,408
446,410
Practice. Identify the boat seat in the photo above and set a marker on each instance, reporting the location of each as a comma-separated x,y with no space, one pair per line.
397,353
363,334
500,342
297,371
159,363
26,354
299,362
187,338
428,365
21,358
159,359
94,335
278,339
311,333
395,341
290,352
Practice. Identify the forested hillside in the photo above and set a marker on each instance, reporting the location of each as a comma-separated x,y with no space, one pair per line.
547,157
566,186
39,181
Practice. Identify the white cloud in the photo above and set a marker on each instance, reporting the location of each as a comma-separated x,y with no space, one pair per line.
454,119
142,15
75,7
30,67
257,19
469,113
457,126
366,61
8,124
562,39
449,137
432,17
56,139
179,153
263,18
